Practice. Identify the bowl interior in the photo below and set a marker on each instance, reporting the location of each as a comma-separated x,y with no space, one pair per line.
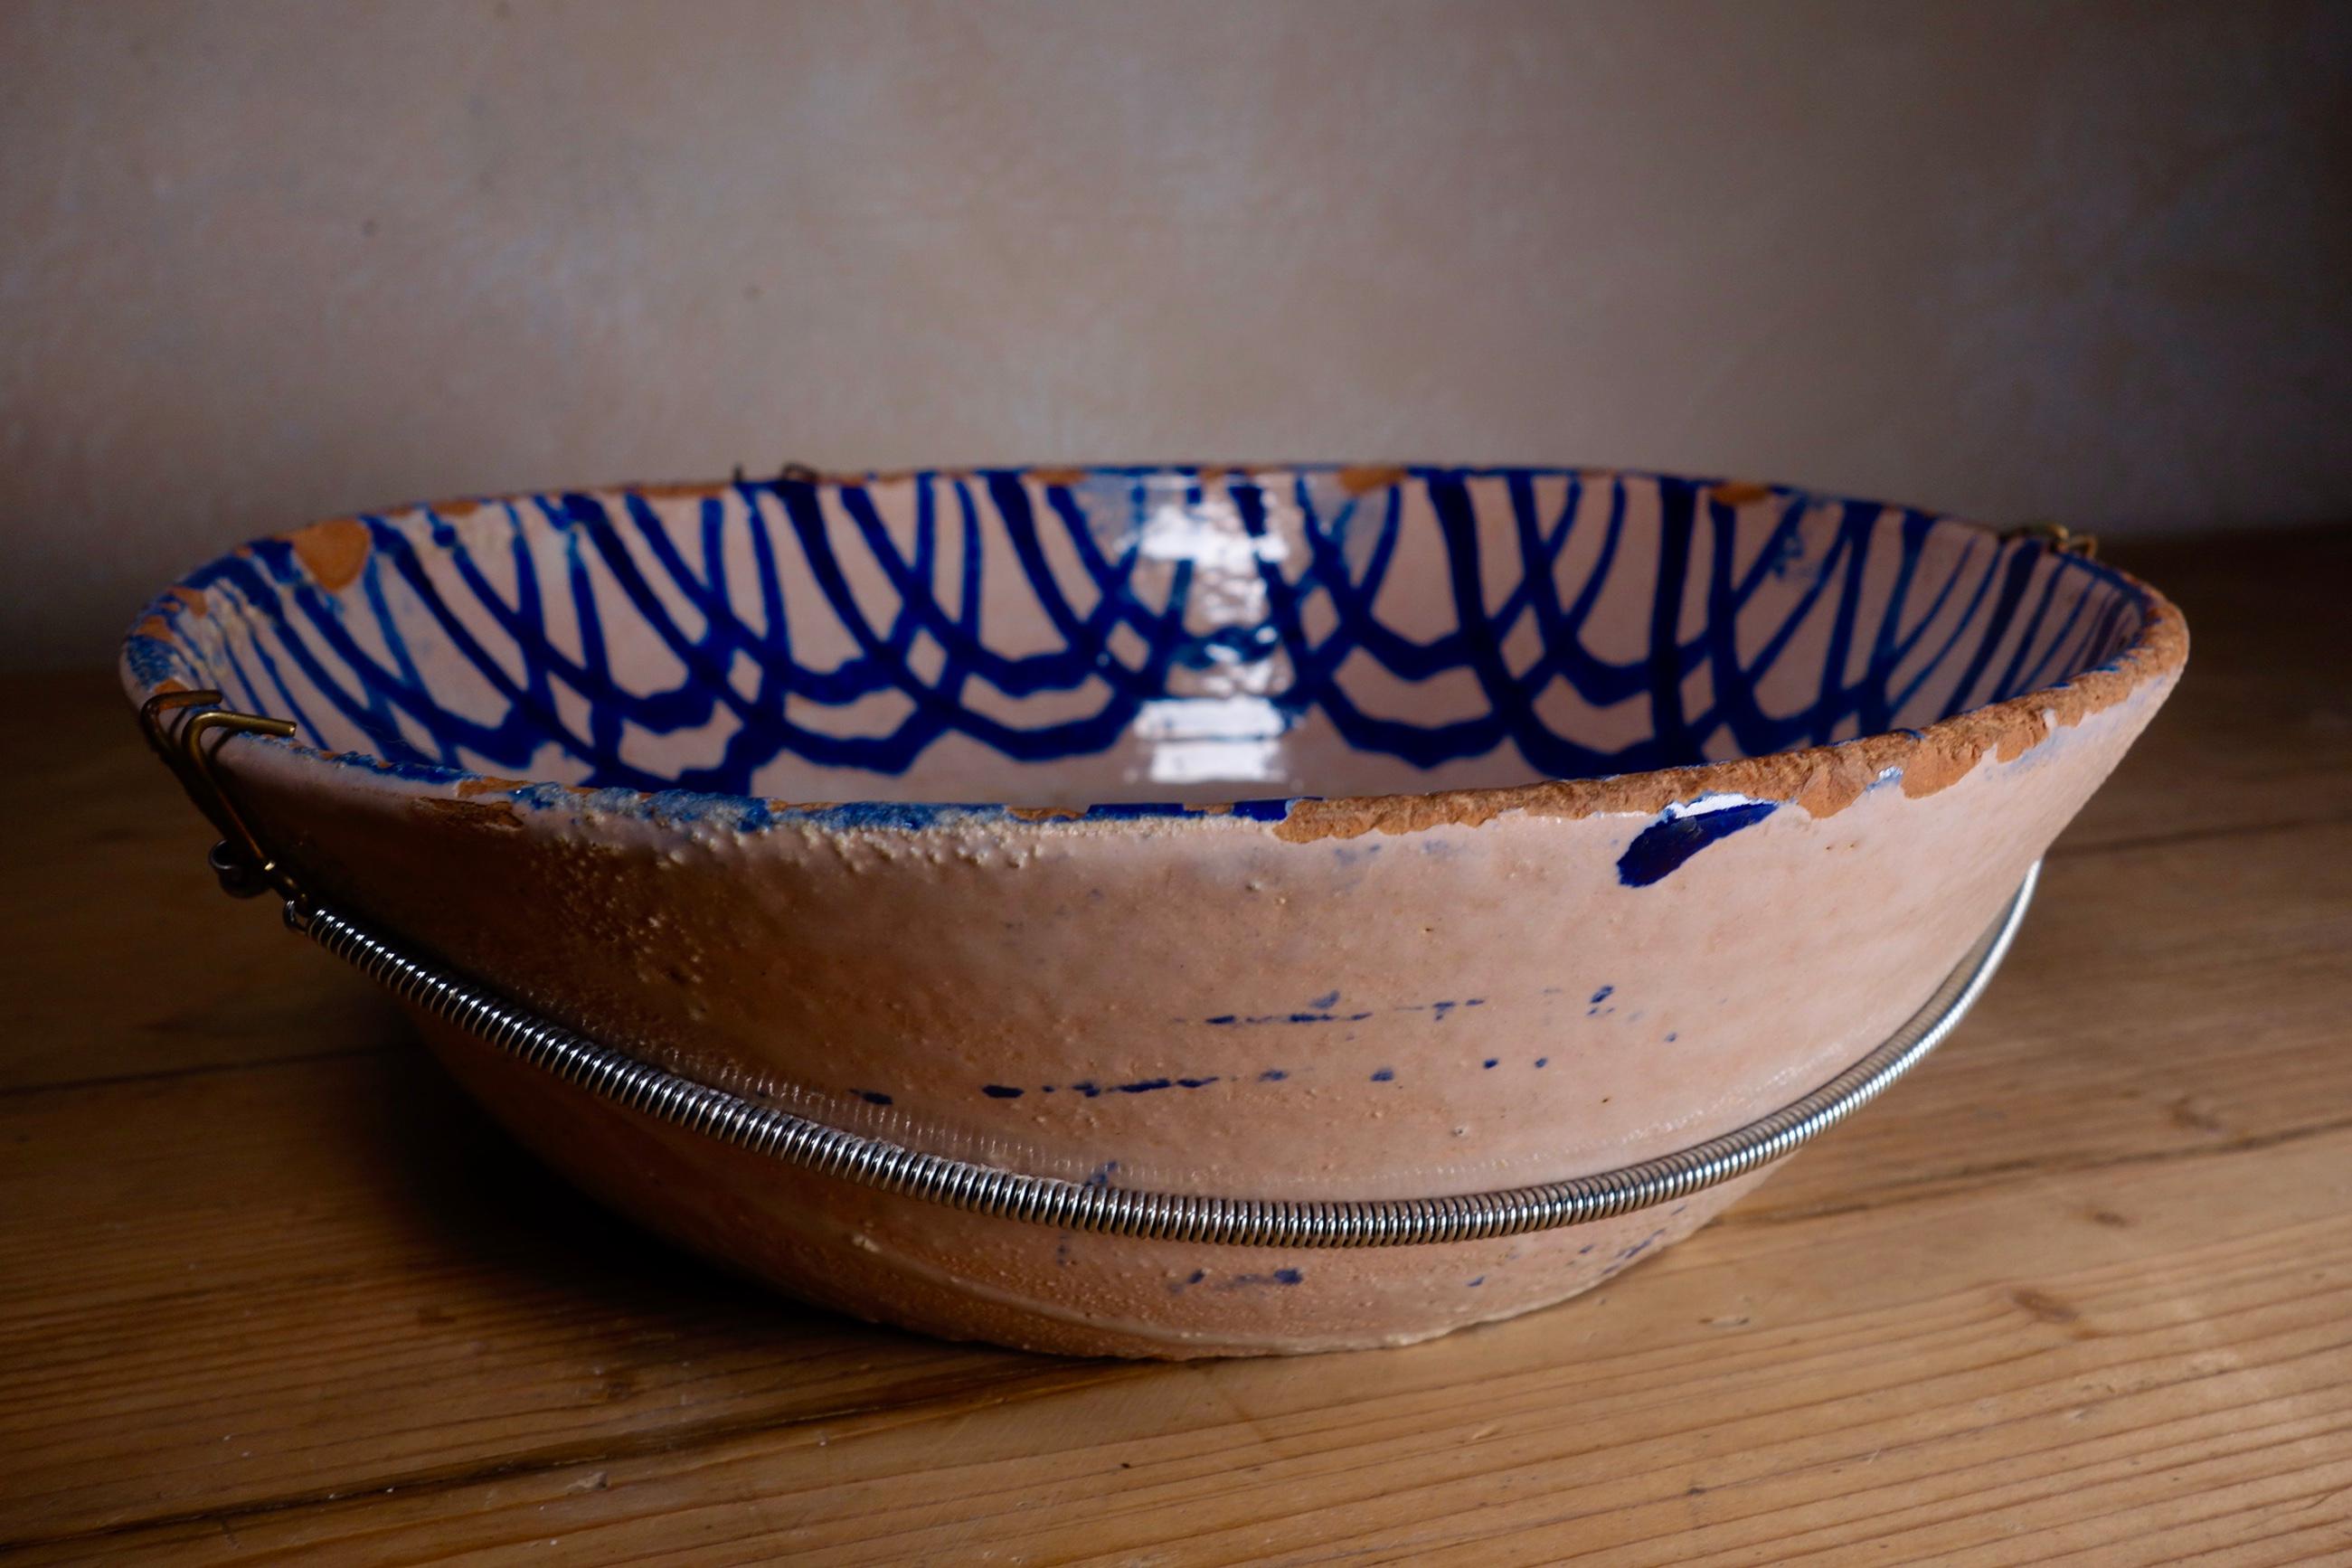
1129,635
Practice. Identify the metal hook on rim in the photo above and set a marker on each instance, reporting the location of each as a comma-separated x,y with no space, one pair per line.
245,868
2057,536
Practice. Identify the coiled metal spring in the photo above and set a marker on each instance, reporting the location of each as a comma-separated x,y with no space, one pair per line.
875,1163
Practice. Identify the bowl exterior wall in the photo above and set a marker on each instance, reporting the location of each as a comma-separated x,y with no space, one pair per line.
1216,1005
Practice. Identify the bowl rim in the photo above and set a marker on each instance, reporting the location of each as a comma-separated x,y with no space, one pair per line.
1825,778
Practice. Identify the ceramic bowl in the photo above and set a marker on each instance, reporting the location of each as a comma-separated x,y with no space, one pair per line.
1310,833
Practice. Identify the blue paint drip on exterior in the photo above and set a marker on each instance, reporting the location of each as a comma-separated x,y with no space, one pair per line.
1659,849
1275,1276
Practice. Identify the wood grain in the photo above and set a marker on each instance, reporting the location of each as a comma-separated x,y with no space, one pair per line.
124,962
2124,1389
2259,733
2080,1291
2213,1051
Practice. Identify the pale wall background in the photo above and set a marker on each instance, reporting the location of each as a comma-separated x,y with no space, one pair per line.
264,262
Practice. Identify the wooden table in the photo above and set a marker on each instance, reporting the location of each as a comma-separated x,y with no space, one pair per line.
2081,1290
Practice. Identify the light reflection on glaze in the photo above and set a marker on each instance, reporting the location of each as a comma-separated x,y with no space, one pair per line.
1188,630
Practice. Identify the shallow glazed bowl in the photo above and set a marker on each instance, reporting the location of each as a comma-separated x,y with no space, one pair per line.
1311,833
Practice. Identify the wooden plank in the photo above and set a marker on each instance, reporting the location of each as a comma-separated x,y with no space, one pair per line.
302,1281
369,1288
1988,1376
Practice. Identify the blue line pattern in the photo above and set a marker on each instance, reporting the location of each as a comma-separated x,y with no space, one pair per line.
745,640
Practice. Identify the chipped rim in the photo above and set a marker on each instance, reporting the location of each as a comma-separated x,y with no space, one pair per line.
1823,779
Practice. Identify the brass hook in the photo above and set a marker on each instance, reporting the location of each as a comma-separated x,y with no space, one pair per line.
244,867
2057,536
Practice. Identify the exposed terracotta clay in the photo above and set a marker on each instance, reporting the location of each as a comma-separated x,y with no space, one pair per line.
332,552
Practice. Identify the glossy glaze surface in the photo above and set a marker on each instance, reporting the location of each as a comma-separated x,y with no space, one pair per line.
1313,833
